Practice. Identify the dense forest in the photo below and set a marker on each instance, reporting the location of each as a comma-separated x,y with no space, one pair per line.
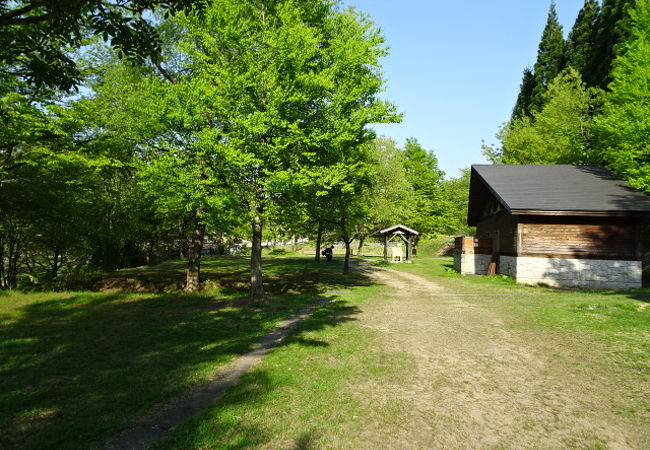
136,130
586,100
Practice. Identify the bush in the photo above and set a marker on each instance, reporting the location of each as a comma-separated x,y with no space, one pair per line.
68,278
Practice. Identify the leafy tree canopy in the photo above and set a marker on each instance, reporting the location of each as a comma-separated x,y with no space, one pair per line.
37,37
624,126
561,132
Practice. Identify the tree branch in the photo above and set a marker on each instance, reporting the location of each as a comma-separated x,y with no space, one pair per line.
166,73
12,17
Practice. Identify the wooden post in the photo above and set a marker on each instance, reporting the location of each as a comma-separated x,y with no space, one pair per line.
408,250
386,247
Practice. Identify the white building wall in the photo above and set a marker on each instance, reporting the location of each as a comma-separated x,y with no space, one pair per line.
593,273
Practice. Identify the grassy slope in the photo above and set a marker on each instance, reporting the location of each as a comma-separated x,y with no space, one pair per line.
300,395
77,367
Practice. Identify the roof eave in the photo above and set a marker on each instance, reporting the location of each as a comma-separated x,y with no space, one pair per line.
395,227
537,212
474,219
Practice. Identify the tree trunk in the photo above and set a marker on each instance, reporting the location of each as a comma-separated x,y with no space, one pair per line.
54,271
257,281
12,256
414,247
194,255
385,247
346,263
11,275
295,243
2,262
319,237
360,247
182,247
149,254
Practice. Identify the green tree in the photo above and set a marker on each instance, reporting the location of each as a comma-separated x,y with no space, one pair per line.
424,177
67,201
582,38
624,126
524,98
37,37
561,132
282,81
343,191
456,196
390,197
612,28
550,59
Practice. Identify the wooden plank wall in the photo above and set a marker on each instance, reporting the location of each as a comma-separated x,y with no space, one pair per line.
501,226
594,240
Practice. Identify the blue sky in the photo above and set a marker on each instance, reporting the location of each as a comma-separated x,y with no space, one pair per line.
455,67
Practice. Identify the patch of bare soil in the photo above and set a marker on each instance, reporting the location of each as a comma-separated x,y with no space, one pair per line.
476,382
144,281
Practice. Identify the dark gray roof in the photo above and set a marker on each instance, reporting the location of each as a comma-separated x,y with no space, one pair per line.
548,188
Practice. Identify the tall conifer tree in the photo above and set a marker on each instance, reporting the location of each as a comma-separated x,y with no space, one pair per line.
522,106
550,57
582,37
612,28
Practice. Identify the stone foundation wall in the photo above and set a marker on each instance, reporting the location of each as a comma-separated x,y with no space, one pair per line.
508,266
593,273
471,264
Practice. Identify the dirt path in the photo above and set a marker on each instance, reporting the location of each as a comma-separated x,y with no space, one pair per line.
476,382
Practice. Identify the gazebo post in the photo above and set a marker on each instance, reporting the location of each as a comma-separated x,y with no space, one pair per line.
408,249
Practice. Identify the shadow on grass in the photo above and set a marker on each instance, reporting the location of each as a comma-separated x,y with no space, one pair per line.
231,431
641,295
77,368
213,429
229,275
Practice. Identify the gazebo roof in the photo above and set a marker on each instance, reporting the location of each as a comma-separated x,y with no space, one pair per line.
399,228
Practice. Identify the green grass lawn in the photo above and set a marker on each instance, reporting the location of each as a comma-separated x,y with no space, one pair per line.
77,367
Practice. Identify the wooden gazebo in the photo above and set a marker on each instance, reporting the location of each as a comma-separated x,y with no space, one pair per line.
405,233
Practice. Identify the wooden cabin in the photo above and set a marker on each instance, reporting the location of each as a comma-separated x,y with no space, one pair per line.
560,225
